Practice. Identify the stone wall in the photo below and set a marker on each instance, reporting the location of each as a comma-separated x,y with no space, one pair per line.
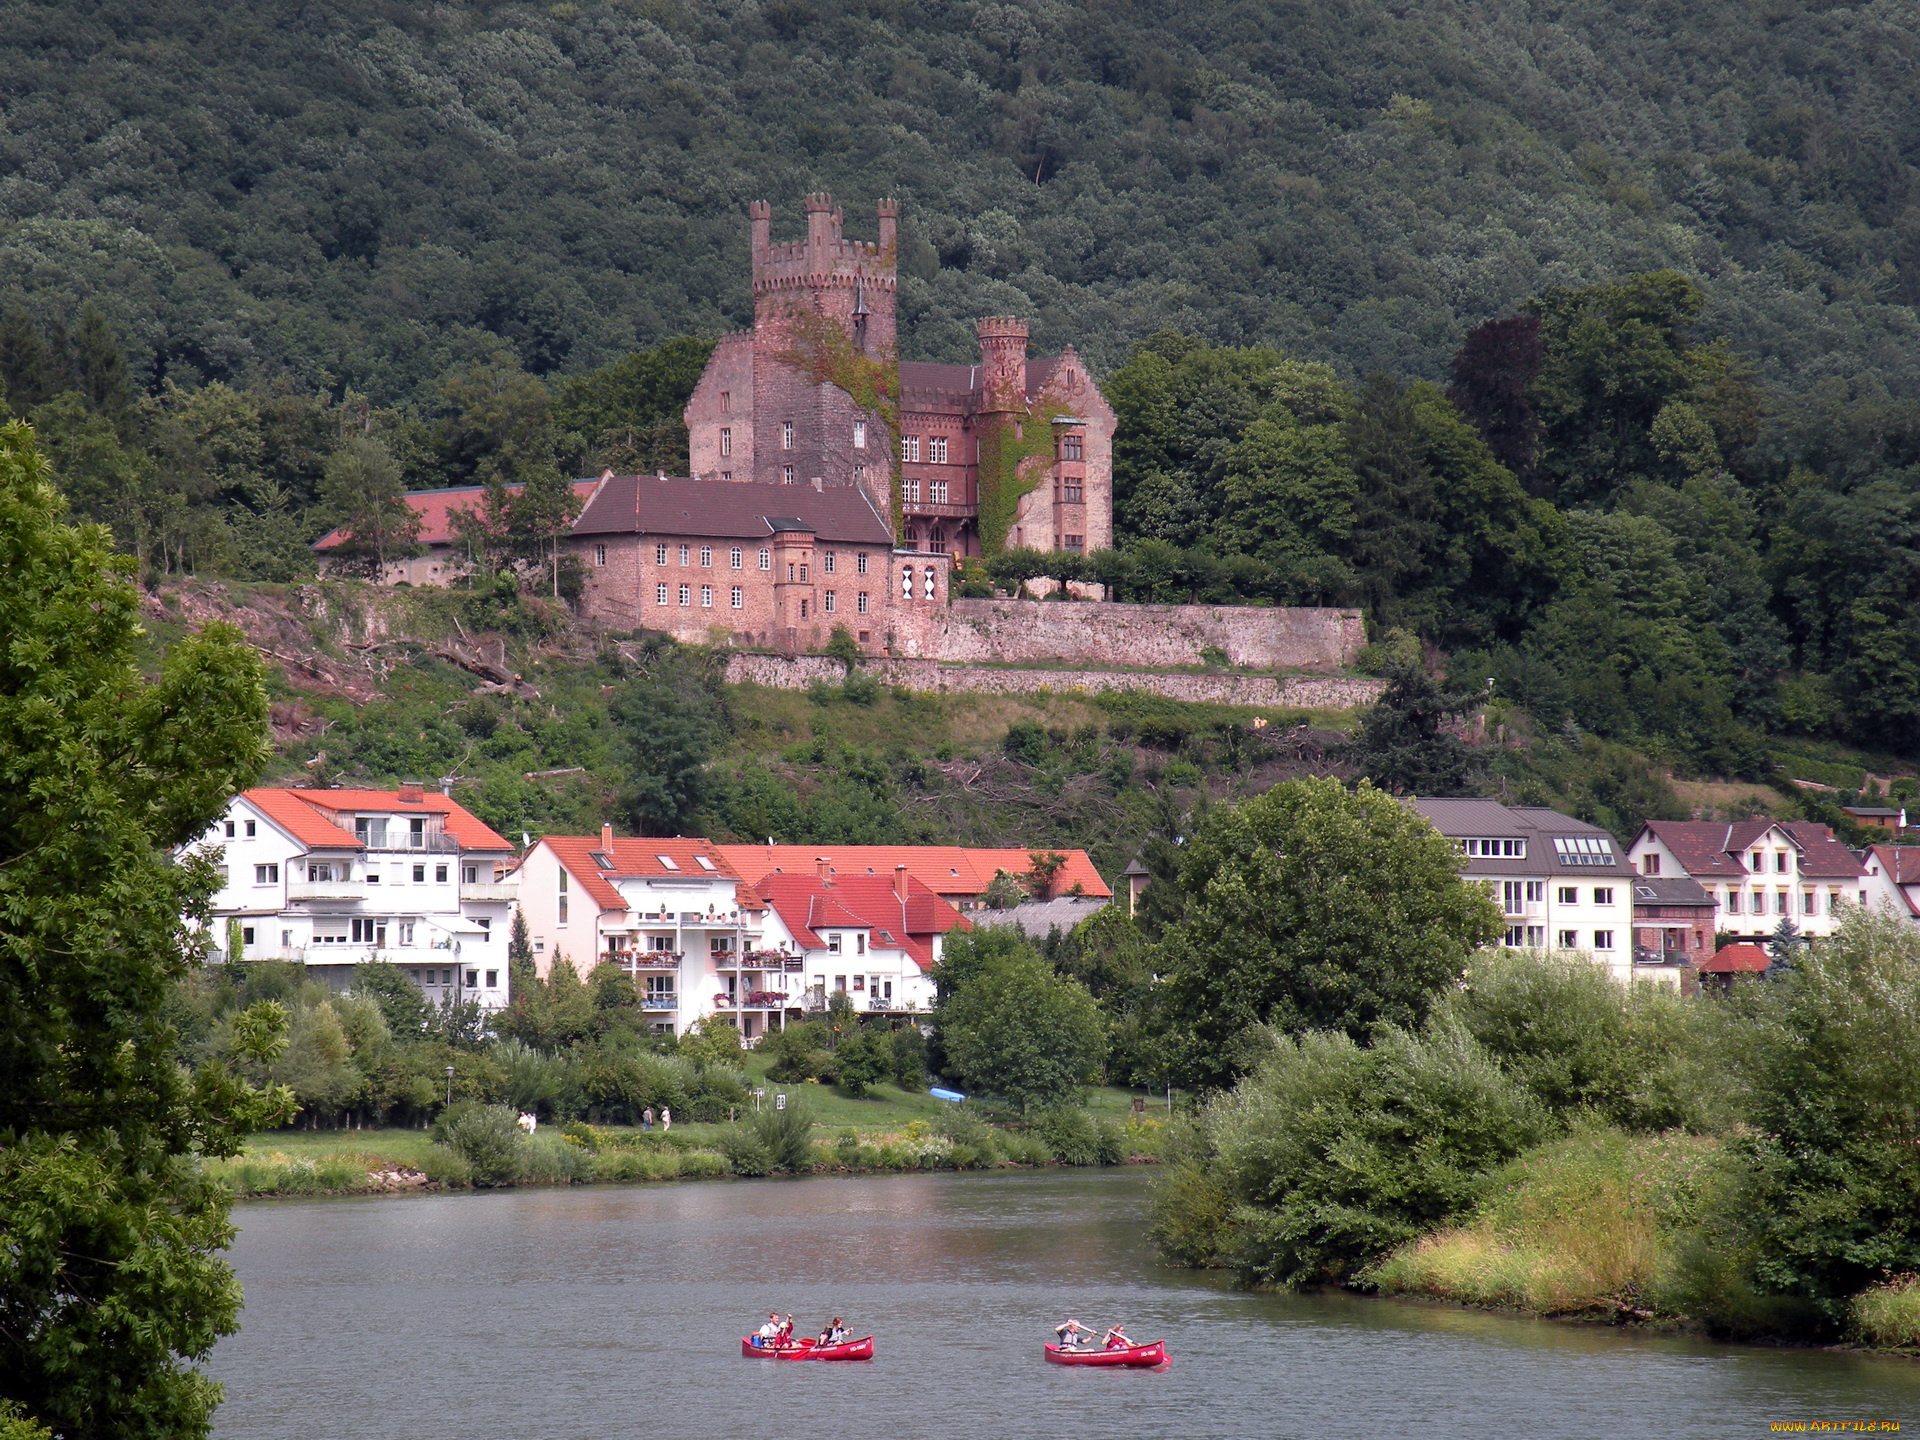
1011,631
1304,692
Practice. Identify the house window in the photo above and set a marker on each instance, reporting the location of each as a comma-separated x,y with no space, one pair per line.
405,928
599,554
1516,936
829,603
937,450
1603,939
1485,849
840,982
246,934
1780,902
1512,893
1809,903
726,441
416,834
1649,864
439,874
1759,862
706,557
686,554
1569,939
859,434
766,559
786,474
786,434
370,831
860,563
860,602
1569,895
660,553
469,874
1733,901
686,595
910,490
266,874
827,561
1780,863
833,944
1603,895
910,449
1070,447
493,979
419,874
859,982
1833,902
738,598
561,897
860,942
734,558
248,829
323,871
1074,544
659,594
706,597
936,492
1536,936
230,829
1536,891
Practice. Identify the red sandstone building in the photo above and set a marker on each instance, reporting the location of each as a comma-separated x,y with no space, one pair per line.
769,410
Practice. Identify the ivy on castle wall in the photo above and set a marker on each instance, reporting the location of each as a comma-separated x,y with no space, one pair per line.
1008,446
825,353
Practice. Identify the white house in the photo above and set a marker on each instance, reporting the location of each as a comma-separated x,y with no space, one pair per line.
1561,883
332,878
1891,879
1759,872
699,940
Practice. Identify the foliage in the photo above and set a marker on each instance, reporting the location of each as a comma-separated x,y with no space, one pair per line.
713,1040
674,714
1009,447
1011,1027
1400,746
487,1137
863,1059
112,1283
1889,1315
1312,907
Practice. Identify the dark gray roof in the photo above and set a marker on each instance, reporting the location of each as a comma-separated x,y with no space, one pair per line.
730,510
1036,918
1588,851
1670,890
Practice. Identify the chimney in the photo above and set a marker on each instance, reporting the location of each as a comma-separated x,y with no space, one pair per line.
411,793
900,883
606,838
889,212
819,484
823,867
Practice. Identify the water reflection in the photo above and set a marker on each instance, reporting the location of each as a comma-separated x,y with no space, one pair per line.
615,1311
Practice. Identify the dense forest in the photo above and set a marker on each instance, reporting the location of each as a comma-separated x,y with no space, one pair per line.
1573,344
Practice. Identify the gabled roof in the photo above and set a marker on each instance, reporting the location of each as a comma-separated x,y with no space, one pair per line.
806,904
310,815
635,858
1716,848
1822,857
951,870
1741,958
1899,863
731,510
1701,846
435,509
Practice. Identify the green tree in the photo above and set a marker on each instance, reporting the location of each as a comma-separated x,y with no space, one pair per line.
362,492
1400,746
864,1060
674,717
1015,1029
627,416
1312,907
112,1282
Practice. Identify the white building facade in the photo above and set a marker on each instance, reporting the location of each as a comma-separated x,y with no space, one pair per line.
1759,872
330,879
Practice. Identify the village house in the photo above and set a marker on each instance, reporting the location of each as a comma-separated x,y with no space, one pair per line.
334,878
1890,880
1561,883
1757,872
699,939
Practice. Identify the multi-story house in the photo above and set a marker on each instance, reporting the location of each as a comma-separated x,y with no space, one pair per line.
1758,872
1561,883
958,874
1890,879
699,940
333,878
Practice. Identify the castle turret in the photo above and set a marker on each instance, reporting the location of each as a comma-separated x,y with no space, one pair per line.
1003,363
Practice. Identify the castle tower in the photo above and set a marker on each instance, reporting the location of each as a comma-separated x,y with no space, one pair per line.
1003,364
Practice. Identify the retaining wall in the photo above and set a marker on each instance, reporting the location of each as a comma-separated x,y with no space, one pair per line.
1305,692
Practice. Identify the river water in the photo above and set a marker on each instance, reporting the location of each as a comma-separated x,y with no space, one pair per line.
616,1311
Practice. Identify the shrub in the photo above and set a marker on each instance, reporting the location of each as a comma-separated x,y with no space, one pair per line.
699,1164
865,1059
1069,1134
714,1040
447,1166
550,1160
1109,1143
746,1153
1889,1315
908,1057
487,1137
787,1136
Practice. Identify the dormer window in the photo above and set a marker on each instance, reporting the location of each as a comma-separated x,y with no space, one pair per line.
667,861
1583,850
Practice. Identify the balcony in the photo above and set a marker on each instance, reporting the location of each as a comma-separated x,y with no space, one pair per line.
326,890
758,960
496,890
646,961
659,1002
1647,955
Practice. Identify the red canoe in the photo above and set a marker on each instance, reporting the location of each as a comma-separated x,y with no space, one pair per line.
1138,1356
807,1349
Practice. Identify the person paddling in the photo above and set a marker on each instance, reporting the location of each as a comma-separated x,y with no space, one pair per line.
769,1333
834,1334
1117,1339
1069,1334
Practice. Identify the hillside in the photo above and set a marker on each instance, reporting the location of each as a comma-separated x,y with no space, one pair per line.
364,194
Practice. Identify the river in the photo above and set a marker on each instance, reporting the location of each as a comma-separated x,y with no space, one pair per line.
594,1313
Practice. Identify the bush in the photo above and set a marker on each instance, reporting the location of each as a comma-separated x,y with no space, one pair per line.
799,1053
746,1153
1069,1134
907,1057
550,1160
702,1164
487,1137
1109,1144
1889,1315
787,1136
714,1040
865,1059
447,1166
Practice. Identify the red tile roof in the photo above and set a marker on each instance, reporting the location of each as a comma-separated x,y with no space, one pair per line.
1715,848
1899,863
1740,958
309,815
636,857
436,507
1822,857
805,903
1701,846
945,869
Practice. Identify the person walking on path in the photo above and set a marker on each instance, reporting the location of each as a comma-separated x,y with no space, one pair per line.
666,1118
646,1118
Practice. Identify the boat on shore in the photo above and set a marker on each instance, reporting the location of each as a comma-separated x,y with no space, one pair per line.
1138,1357
806,1349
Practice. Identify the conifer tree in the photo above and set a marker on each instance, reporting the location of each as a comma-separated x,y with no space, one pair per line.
110,1278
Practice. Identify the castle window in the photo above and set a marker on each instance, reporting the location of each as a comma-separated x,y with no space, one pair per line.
937,449
910,449
726,402
930,574
660,554
906,582
803,574
738,597
827,561
859,474
706,597
1075,544
726,441
830,604
1070,447
686,595
860,563
766,559
790,569
599,554
786,434
1071,492
860,602
910,490
936,492
937,543
733,558
803,609
686,554
726,475
659,594
706,557
859,434
786,474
